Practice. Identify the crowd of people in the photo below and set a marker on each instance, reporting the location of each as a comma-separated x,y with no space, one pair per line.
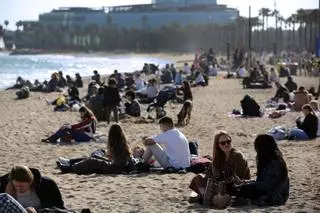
226,180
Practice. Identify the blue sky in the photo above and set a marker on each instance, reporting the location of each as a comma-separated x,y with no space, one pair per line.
15,10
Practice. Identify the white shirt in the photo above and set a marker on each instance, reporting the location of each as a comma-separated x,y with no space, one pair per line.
139,83
176,146
242,72
199,79
187,69
274,77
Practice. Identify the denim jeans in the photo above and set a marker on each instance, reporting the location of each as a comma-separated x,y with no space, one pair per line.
298,134
159,154
77,135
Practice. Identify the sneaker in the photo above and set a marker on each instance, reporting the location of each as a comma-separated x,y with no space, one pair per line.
48,102
64,168
64,161
47,140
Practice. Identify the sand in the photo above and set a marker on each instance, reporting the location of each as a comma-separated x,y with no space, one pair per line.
23,123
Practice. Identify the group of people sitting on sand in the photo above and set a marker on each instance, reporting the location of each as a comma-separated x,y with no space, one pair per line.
56,84
124,100
226,181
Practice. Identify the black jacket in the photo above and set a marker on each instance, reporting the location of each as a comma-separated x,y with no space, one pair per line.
73,93
309,125
271,186
291,85
111,96
46,189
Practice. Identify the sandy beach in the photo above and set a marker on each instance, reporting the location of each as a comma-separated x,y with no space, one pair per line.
23,123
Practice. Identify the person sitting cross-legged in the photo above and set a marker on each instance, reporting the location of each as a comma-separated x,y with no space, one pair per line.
170,148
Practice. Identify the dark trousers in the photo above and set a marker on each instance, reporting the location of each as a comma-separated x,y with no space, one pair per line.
77,135
115,111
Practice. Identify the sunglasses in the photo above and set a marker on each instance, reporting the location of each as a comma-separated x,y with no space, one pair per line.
223,143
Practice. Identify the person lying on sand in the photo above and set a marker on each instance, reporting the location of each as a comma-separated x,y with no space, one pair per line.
271,187
228,165
170,148
81,132
113,161
32,190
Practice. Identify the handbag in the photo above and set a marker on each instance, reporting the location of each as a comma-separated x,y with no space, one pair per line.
216,195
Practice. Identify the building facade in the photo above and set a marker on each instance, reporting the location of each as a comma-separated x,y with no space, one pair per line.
160,13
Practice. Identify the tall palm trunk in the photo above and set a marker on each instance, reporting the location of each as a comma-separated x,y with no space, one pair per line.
305,36
293,33
300,36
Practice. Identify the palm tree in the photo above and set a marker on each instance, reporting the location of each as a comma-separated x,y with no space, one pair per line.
265,13
301,18
279,38
18,25
313,18
292,20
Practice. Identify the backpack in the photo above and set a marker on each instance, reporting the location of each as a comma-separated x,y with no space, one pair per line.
250,107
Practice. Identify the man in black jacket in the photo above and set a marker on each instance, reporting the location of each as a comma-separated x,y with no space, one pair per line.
27,186
111,100
291,85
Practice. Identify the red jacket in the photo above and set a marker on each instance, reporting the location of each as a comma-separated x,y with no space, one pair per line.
87,125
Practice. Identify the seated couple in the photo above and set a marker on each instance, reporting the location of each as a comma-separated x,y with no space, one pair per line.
229,168
26,190
80,132
117,158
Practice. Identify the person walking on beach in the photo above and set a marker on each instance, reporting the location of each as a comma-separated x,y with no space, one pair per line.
111,100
